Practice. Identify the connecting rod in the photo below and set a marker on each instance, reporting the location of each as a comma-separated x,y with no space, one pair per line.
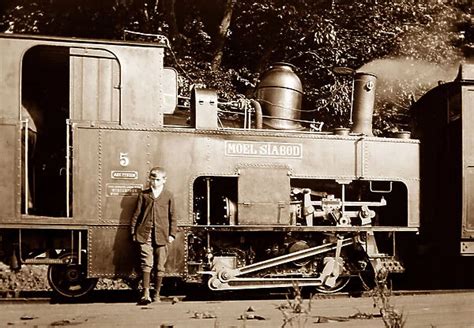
289,257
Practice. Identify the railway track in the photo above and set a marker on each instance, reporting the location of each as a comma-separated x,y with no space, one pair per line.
420,308
130,296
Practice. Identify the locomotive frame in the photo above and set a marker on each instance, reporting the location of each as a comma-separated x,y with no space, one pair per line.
256,207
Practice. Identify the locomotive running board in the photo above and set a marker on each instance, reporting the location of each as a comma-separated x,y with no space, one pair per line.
221,279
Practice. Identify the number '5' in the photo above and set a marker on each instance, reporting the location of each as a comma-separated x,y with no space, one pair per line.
124,160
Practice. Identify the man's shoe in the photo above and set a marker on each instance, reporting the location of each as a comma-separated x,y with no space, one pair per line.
144,301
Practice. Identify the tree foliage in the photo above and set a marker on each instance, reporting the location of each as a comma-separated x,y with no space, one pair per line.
409,45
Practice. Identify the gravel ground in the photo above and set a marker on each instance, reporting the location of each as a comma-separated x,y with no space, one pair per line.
35,278
28,278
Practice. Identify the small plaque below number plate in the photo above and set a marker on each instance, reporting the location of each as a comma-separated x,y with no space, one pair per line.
122,189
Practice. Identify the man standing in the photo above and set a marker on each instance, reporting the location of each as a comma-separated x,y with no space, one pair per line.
154,227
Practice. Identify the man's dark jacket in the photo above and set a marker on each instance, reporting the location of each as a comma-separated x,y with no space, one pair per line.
142,219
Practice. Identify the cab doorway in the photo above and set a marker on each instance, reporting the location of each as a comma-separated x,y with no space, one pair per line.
46,137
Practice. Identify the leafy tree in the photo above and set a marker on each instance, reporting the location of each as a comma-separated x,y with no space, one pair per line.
222,34
317,36
227,44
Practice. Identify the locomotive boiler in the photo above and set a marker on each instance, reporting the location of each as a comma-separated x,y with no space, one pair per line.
264,201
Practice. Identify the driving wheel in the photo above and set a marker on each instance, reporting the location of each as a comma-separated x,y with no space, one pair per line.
70,280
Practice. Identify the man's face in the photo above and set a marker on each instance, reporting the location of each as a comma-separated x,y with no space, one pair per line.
157,180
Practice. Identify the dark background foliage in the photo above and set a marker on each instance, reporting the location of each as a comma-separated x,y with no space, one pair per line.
410,45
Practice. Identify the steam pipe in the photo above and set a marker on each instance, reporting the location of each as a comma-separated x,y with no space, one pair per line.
258,113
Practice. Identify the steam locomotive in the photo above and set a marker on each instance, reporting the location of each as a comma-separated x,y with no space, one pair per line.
264,199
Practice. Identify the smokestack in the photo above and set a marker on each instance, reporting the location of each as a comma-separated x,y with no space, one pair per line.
363,103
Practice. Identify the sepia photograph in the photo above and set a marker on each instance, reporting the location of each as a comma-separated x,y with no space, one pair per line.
237,163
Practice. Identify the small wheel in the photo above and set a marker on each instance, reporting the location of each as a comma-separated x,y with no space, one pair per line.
69,280
341,283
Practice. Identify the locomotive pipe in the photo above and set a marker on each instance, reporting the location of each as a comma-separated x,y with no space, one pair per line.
14,261
249,118
258,113
363,103
342,70
26,190
245,117
68,166
72,241
79,247
208,201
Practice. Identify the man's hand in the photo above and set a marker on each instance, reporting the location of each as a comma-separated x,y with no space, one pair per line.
170,239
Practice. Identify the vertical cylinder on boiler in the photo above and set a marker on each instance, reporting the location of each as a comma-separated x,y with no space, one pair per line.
280,93
363,103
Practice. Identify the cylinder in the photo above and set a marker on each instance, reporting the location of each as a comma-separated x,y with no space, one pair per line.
402,134
363,103
280,93
341,131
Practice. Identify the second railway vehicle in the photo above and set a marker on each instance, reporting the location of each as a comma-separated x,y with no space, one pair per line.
264,204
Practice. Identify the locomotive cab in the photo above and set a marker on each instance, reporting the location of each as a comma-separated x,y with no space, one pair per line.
58,87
